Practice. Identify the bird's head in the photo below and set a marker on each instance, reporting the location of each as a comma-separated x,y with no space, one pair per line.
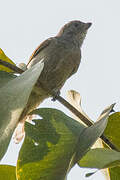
75,29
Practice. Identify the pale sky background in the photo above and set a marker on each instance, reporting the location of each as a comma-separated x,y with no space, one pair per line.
25,24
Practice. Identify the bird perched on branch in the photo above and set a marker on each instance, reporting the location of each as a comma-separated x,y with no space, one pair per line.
61,56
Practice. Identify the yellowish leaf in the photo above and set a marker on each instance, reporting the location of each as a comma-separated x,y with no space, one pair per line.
74,99
6,59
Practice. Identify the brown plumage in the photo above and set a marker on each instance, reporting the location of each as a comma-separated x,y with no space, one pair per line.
61,55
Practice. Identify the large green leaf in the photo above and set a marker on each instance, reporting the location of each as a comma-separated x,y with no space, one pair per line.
91,133
13,99
7,172
48,147
5,77
54,144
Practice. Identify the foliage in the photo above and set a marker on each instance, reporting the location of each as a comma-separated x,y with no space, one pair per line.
7,172
54,142
13,99
6,59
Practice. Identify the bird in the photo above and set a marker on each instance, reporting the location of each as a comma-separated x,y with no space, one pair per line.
61,55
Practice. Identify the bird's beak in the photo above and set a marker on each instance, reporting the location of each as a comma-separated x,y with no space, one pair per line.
87,25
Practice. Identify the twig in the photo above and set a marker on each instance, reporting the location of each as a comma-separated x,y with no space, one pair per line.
11,66
66,104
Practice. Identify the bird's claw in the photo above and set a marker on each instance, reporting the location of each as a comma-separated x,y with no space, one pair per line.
56,94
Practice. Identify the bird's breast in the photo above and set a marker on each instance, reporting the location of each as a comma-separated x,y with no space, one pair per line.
59,65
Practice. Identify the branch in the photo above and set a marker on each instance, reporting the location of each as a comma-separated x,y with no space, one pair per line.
11,66
85,120
66,104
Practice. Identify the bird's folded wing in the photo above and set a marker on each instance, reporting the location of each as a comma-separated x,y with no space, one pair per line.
43,45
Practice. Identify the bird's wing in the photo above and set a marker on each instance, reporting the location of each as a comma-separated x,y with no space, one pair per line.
43,45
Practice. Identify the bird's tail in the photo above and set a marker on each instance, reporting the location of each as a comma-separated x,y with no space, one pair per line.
34,101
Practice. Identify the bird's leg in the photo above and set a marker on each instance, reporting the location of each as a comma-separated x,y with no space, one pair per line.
56,93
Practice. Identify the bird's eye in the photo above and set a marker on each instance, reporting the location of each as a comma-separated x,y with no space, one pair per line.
76,24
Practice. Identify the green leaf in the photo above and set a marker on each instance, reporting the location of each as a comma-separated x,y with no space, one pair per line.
7,172
54,144
5,77
91,134
114,173
13,99
112,130
49,146
100,158
113,133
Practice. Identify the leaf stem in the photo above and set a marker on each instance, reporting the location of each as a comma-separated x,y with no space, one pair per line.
11,66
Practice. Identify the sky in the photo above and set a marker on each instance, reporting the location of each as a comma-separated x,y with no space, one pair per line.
26,23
